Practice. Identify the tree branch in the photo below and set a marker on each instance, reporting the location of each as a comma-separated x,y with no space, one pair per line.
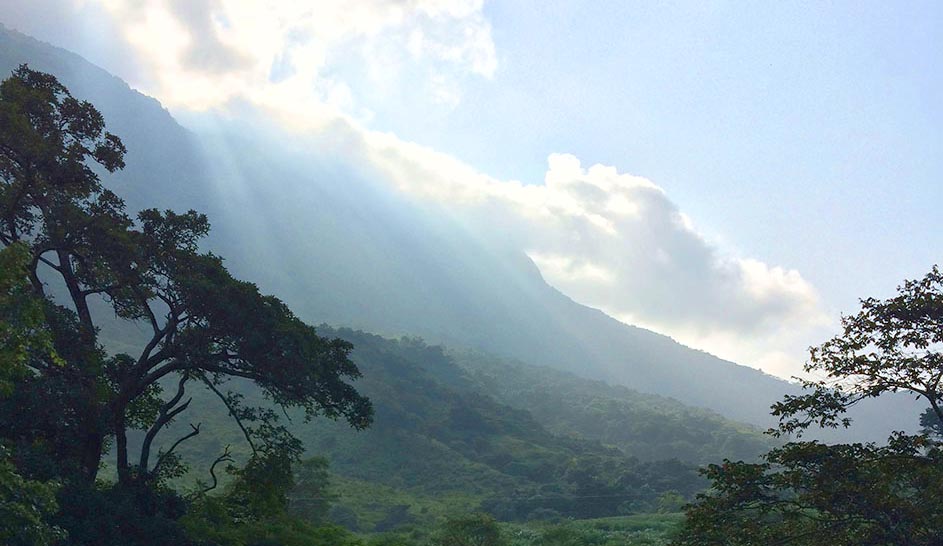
225,457
147,361
50,264
78,300
232,412
91,291
147,309
164,455
155,374
167,413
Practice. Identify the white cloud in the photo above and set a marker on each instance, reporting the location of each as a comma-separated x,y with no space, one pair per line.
618,243
203,53
607,239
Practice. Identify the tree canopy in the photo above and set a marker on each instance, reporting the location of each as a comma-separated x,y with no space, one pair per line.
807,493
25,505
205,328
890,345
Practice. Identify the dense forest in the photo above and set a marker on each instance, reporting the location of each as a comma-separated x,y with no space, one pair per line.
150,396
484,453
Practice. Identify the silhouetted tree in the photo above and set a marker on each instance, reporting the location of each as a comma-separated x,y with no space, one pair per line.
889,346
205,327
808,493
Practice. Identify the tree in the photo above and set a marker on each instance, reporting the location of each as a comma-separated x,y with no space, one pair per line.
311,496
25,505
847,494
931,424
889,346
205,327
470,530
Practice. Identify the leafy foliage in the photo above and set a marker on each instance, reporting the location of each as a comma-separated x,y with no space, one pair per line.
810,493
847,494
477,453
25,508
22,320
25,505
67,400
646,426
470,530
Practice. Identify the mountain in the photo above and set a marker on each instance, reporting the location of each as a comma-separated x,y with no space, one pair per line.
341,246
441,442
646,426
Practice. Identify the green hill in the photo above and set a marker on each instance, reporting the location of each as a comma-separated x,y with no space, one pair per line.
642,425
447,439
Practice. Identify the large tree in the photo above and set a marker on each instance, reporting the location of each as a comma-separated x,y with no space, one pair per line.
25,505
807,493
204,327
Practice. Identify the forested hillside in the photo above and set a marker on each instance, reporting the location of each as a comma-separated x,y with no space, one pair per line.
642,425
446,438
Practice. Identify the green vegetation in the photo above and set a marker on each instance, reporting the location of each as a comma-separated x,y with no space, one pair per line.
441,445
64,401
640,530
482,530
807,493
642,425
25,505
149,397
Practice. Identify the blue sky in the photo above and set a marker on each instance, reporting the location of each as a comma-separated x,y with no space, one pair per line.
807,134
790,154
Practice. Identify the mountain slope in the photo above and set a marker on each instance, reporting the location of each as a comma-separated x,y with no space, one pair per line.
646,426
439,442
340,246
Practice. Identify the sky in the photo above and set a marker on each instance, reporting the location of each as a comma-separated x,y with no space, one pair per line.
732,174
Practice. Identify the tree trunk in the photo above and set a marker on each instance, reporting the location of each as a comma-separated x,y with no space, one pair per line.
91,454
121,446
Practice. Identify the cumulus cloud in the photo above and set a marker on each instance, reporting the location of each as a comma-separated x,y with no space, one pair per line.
204,53
618,243
605,238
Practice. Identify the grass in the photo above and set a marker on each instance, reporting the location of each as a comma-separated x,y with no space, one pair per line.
635,530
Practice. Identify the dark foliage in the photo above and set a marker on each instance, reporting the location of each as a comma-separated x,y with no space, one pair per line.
471,530
807,493
204,329
119,516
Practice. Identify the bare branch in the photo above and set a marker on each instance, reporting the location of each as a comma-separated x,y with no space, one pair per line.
167,413
232,412
163,456
225,457
100,290
47,262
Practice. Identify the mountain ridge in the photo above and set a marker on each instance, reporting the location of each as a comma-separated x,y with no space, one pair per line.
350,250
